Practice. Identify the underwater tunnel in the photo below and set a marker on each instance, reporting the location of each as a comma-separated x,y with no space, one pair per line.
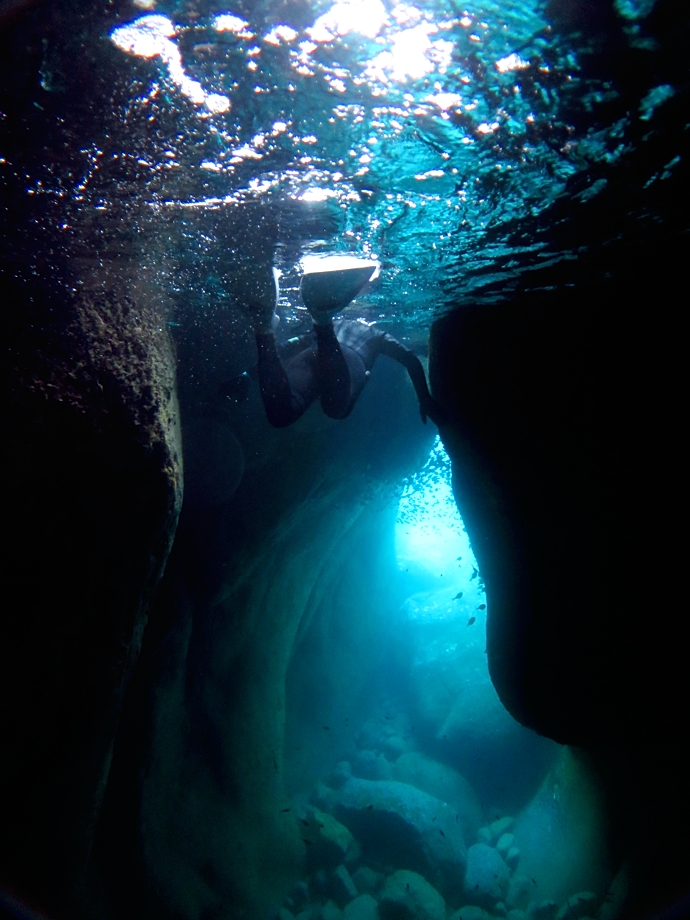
360,667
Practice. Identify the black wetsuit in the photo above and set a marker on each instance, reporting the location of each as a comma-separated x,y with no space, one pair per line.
332,363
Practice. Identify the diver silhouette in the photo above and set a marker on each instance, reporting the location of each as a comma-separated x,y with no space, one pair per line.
333,362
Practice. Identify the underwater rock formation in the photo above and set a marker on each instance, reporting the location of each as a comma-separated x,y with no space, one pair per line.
363,907
472,912
253,672
403,826
330,842
567,819
96,471
408,896
443,782
486,876
372,765
559,490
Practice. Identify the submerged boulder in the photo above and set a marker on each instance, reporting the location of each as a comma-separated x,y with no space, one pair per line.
365,879
543,910
371,765
471,912
578,906
331,911
444,783
520,891
388,732
504,844
408,896
363,907
344,889
486,877
330,843
399,825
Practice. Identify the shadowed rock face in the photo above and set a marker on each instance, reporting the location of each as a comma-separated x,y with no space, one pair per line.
270,623
93,460
556,401
93,492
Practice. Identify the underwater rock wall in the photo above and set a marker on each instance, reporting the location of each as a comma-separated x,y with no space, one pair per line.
92,464
272,617
93,475
556,404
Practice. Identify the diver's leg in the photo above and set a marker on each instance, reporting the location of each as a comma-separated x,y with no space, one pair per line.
332,373
340,376
258,293
283,403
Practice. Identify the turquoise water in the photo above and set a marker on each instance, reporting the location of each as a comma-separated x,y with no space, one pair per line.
450,141
411,130
425,136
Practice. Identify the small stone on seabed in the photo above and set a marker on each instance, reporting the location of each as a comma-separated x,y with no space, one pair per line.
408,896
343,887
500,827
471,912
362,908
331,911
545,910
512,857
504,843
365,879
578,906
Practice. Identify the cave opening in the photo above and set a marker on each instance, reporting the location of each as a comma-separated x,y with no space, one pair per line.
431,729
430,538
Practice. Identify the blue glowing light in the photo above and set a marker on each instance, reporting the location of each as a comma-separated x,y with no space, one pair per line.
430,539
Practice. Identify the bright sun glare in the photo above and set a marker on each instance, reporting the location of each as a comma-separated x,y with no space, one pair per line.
366,17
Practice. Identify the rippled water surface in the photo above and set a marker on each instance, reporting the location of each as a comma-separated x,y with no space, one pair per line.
449,140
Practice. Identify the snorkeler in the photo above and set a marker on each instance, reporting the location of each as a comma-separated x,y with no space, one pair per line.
333,362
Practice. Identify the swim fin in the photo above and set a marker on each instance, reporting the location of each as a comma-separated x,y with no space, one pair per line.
330,283
256,290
